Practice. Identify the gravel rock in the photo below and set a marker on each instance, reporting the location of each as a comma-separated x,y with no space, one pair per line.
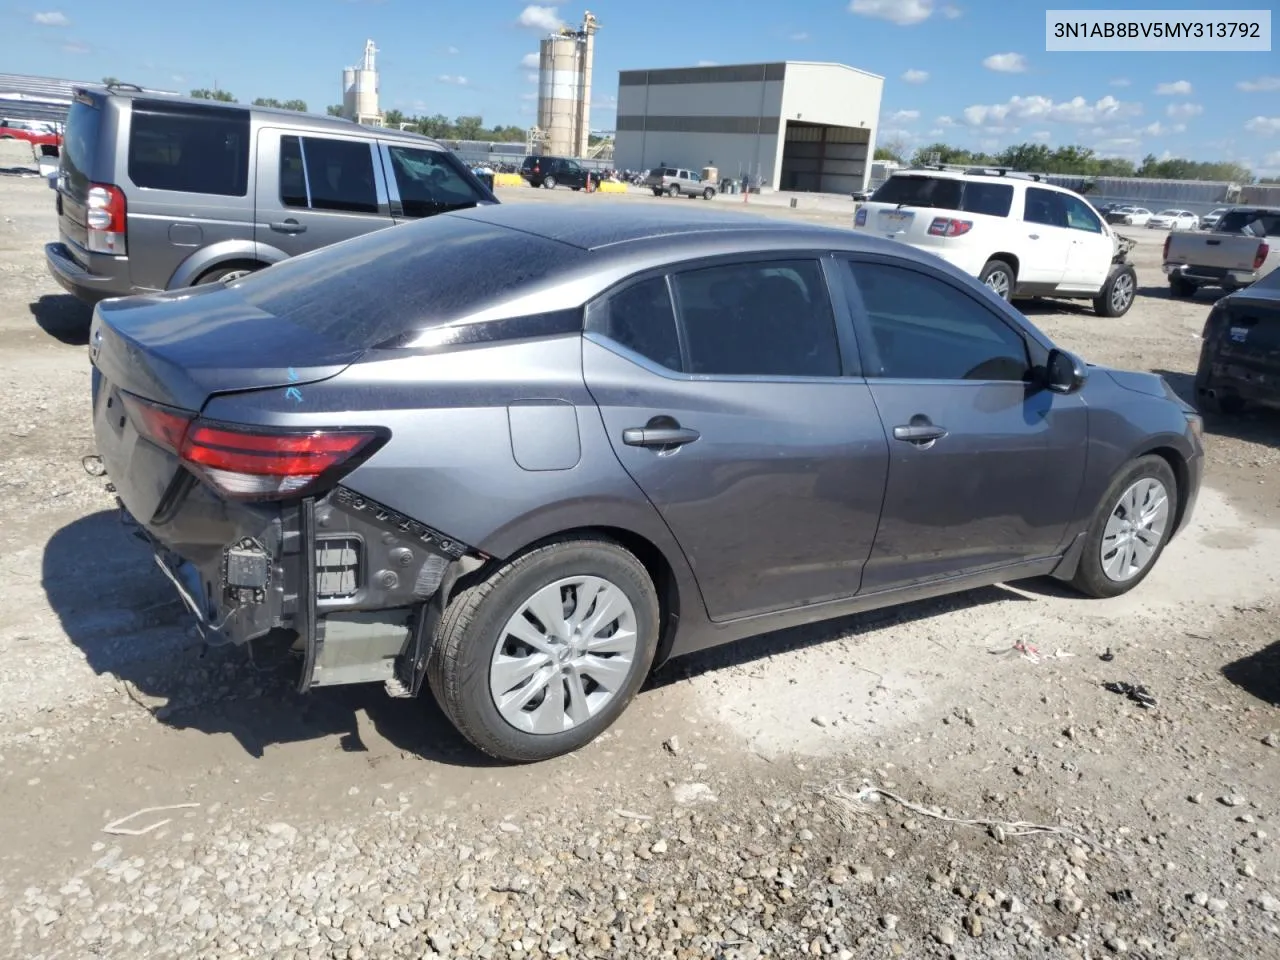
1268,904
1217,905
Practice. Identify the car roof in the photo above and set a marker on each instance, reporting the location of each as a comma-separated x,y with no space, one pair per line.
277,114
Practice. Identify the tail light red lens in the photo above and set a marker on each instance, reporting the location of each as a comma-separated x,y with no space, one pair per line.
106,217
252,464
946,227
1260,257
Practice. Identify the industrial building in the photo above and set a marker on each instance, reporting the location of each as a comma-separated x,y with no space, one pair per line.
564,90
360,90
788,126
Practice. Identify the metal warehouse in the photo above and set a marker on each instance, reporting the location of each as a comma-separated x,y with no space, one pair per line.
789,126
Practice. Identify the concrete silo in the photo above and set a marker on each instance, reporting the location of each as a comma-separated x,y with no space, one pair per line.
360,90
564,88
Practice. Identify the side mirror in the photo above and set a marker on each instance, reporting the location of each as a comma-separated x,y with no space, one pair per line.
1064,372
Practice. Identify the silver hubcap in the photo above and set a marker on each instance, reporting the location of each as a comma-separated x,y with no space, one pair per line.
1121,292
999,282
235,275
1134,530
564,655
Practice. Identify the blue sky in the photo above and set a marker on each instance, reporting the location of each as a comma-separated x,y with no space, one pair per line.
972,73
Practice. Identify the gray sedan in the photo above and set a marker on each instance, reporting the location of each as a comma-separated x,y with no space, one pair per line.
524,454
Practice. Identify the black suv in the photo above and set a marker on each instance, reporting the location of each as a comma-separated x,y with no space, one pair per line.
552,172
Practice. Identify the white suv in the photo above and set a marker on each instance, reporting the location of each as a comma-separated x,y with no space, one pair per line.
1020,236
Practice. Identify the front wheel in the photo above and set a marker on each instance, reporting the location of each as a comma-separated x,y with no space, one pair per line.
1129,530
998,278
541,657
1116,296
673,191
549,183
708,194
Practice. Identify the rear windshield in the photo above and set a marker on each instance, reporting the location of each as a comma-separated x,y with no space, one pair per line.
1252,223
385,284
80,140
189,149
947,193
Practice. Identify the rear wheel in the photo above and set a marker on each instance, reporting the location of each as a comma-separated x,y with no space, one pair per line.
1116,296
673,191
1181,287
549,183
228,273
544,655
998,277
1129,530
708,194
657,192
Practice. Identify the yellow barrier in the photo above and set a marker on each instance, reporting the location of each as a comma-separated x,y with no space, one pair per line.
508,180
610,186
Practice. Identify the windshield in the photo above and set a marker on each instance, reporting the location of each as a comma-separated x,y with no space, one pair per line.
1168,213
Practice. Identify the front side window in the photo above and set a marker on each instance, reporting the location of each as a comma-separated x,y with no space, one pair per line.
189,149
1079,216
927,329
641,318
768,318
428,182
323,174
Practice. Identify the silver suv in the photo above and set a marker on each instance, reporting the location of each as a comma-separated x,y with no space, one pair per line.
675,182
158,192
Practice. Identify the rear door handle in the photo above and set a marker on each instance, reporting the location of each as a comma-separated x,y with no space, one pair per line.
659,436
289,226
919,433
1033,236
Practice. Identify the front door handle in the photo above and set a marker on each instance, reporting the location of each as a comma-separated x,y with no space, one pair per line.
1033,236
289,226
921,433
658,436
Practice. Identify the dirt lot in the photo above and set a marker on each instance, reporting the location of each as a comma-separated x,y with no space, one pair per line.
721,818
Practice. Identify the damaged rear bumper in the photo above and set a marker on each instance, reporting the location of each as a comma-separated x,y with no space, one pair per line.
356,582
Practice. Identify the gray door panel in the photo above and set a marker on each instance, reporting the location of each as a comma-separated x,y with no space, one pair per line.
299,193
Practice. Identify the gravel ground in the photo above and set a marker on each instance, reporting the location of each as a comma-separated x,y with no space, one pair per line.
813,792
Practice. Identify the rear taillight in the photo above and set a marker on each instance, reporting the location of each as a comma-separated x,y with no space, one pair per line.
106,218
1165,254
247,463
947,227
1260,257
860,218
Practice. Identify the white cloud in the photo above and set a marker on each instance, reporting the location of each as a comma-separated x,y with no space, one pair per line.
54,18
528,96
178,78
530,61
452,51
1261,85
1270,163
800,37
708,63
904,116
1118,144
1179,88
1184,111
915,76
452,80
902,12
1121,82
937,132
546,19
75,46
531,77
952,12
1077,110
1006,63
1267,126
945,121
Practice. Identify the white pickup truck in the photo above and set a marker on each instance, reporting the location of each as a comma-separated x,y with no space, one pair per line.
1234,255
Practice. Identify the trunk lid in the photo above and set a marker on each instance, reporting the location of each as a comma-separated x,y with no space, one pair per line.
183,347
1251,334
1217,250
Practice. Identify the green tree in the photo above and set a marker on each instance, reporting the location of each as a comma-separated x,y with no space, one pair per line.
108,81
221,95
299,105
266,102
394,118
468,128
334,109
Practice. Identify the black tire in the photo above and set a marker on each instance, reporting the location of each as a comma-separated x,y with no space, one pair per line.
576,189
998,269
458,670
1117,294
708,194
233,271
1181,287
1090,578
549,183
673,191
657,192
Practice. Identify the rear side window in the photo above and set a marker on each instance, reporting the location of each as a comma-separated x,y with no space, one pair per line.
1046,207
189,149
768,318
430,181
80,140
323,174
1256,223
640,317
992,199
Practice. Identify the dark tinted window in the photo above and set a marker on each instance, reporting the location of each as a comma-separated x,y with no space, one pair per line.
418,276
926,329
80,140
293,182
764,319
430,181
1079,215
1257,223
189,149
340,175
946,193
1045,207
640,317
